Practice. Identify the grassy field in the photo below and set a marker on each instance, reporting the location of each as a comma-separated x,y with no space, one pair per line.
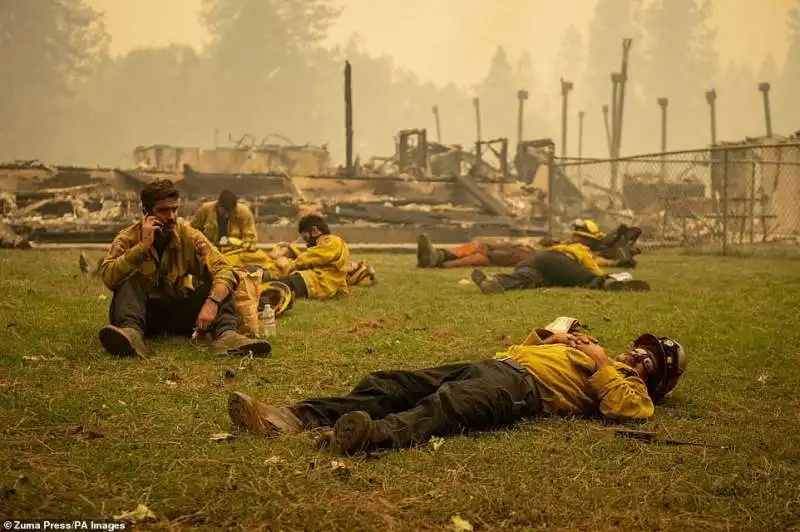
84,435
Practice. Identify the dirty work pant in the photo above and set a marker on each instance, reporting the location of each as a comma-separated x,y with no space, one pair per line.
411,406
549,268
296,283
466,255
132,307
619,244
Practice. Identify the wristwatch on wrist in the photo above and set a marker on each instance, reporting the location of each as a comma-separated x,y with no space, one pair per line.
215,300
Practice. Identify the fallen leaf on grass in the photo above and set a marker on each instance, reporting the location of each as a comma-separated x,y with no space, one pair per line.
763,378
102,297
83,434
36,358
141,513
464,281
365,325
458,524
443,334
435,442
274,461
172,380
89,435
222,436
340,468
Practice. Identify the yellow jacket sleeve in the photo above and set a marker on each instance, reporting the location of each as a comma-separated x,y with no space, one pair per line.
327,250
123,258
620,397
199,218
601,261
533,338
247,230
220,269
585,257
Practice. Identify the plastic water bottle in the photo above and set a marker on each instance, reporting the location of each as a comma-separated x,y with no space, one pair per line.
269,326
621,276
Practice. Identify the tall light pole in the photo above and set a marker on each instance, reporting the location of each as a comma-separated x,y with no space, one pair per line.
711,98
764,88
663,103
566,87
438,125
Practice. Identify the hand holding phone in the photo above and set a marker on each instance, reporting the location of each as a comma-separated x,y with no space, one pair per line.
150,224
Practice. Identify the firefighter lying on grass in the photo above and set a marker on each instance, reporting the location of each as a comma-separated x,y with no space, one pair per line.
555,371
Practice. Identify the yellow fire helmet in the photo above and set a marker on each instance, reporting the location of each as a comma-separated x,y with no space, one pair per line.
586,228
279,296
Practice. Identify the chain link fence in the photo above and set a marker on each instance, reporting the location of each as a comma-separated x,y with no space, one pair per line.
728,195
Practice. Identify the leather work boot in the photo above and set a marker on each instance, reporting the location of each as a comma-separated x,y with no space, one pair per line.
123,341
262,419
235,344
351,433
630,285
427,255
487,284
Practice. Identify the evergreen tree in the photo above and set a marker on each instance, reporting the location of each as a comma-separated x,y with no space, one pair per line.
497,93
571,55
613,21
739,111
787,115
48,48
260,52
681,65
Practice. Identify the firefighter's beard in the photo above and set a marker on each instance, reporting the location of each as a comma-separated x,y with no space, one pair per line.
164,236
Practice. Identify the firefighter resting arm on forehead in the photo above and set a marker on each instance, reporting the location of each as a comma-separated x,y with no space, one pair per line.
555,371
612,388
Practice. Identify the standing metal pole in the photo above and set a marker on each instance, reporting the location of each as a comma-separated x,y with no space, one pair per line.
764,88
522,95
438,125
581,116
711,98
616,80
626,50
477,103
663,103
550,163
608,130
566,87
478,145
348,117
614,101
753,203
725,202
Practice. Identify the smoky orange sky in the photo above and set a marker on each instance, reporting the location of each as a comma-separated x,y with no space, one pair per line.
453,40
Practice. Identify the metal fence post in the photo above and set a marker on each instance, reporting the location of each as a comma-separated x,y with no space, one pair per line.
752,206
550,203
725,202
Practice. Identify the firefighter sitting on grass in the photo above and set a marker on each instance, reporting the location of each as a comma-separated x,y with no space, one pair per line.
319,272
555,371
227,223
167,278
